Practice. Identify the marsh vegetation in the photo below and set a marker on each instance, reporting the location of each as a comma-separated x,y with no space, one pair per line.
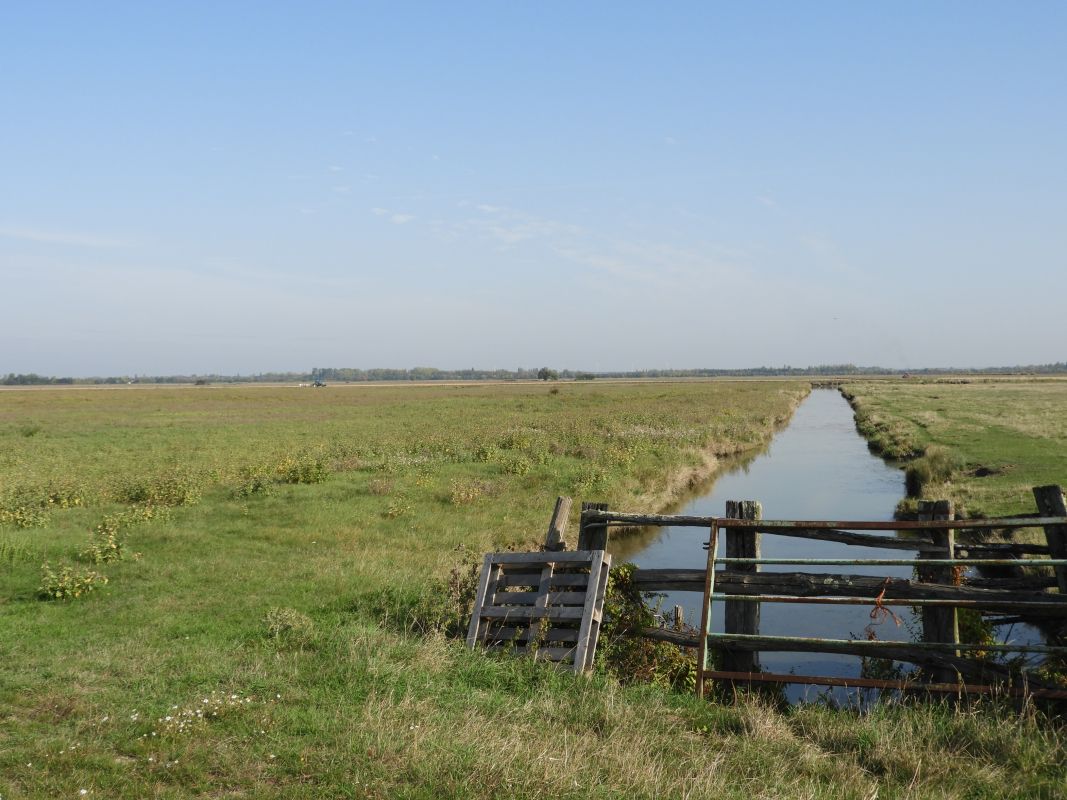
274,559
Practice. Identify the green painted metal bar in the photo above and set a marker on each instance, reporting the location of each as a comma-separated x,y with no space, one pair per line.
1060,606
770,526
902,562
771,642
705,616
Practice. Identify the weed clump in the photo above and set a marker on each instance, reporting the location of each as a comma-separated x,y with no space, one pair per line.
68,583
399,506
937,465
23,516
105,544
175,489
380,487
253,481
303,469
289,628
464,493
517,466
628,656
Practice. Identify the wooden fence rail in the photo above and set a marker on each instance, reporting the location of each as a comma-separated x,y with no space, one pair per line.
940,588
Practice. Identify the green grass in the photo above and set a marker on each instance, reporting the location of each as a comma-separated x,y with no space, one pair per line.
982,444
283,613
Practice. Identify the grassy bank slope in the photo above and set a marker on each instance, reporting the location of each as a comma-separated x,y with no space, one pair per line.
982,444
252,641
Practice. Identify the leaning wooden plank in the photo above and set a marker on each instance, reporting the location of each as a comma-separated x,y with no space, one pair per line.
596,617
479,601
585,637
557,526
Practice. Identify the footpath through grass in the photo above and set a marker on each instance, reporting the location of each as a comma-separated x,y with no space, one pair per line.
265,550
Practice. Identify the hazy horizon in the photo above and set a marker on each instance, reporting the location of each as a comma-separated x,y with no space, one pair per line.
248,188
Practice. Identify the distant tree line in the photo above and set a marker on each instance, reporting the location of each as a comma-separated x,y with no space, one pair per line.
351,374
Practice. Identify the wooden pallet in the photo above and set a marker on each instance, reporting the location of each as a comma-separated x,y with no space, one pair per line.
548,605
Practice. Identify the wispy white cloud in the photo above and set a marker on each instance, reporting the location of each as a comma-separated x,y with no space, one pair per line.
400,219
336,168
670,141
62,237
379,212
488,209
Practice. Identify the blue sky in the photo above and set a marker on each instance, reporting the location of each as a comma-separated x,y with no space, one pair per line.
243,187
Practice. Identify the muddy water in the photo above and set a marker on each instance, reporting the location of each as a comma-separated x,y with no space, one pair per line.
818,467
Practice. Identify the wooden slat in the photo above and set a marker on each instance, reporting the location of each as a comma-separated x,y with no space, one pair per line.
542,600
821,584
534,579
479,601
592,611
516,634
541,558
529,612
553,598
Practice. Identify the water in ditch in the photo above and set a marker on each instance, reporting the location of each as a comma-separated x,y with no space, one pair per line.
818,467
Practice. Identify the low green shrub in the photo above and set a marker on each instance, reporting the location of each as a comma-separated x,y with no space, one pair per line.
68,583
624,653
174,489
23,516
253,481
104,546
517,466
303,469
464,493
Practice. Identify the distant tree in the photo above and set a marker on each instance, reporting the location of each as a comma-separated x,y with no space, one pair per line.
546,374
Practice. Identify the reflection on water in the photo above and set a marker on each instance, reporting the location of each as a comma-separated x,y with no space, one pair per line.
819,467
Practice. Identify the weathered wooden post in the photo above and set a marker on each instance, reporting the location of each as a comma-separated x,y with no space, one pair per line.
940,624
557,526
741,616
679,618
1050,503
592,535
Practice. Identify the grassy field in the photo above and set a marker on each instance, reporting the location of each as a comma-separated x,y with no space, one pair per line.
267,552
982,444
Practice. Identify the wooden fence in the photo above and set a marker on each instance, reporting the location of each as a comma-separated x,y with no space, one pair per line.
940,588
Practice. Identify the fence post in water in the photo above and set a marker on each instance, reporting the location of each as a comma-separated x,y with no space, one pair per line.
592,536
554,540
1050,503
940,624
742,617
679,618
